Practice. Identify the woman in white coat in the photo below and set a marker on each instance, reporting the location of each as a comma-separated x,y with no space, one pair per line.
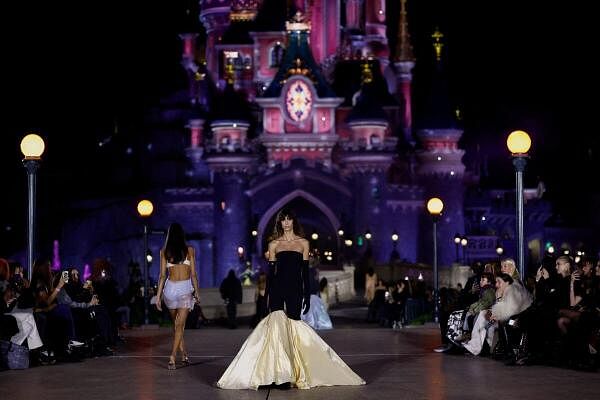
511,299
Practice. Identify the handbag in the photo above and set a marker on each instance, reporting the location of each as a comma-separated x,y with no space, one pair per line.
13,356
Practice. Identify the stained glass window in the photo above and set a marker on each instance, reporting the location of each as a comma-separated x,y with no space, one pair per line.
298,101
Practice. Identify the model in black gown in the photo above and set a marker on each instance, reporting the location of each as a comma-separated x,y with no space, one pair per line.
283,348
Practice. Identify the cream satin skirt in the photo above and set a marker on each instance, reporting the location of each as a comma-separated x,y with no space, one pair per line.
281,350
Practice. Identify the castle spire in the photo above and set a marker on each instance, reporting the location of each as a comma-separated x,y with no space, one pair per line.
404,50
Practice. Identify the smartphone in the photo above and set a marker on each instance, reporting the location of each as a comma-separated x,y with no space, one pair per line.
65,276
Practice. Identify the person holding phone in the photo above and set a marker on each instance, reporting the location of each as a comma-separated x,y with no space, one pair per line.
49,313
177,286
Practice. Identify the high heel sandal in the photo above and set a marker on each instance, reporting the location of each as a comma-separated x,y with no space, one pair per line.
171,365
185,360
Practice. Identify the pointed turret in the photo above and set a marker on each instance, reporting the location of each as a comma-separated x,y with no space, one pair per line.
404,50
299,58
367,120
437,109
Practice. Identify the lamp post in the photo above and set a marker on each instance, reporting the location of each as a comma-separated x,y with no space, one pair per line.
456,244
395,254
518,144
32,147
145,209
435,207
499,251
464,242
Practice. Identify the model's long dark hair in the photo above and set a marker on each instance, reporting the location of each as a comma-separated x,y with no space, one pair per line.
296,226
176,248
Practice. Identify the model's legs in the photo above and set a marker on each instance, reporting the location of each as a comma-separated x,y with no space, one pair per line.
179,323
173,313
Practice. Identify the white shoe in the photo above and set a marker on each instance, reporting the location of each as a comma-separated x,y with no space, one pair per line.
75,343
394,326
442,349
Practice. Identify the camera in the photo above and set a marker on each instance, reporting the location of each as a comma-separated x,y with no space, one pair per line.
65,276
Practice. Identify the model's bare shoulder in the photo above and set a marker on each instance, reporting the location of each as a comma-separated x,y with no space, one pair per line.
304,242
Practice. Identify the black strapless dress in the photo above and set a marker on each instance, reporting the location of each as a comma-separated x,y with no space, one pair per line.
286,287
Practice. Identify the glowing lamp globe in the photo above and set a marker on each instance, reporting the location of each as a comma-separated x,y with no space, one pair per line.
32,146
435,206
145,208
518,142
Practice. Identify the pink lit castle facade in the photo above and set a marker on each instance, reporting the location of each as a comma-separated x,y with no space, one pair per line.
308,104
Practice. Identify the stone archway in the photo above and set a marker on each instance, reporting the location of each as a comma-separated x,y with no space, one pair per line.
263,224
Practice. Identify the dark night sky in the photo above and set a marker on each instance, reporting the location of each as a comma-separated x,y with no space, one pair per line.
71,70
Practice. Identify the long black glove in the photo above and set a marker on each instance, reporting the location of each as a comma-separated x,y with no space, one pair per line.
306,286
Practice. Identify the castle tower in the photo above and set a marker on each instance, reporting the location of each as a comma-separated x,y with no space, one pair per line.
214,15
375,32
440,169
231,161
367,155
404,62
325,32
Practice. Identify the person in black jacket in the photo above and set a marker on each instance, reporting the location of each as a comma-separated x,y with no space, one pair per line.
231,292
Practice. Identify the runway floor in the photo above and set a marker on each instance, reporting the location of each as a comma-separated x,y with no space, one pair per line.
395,365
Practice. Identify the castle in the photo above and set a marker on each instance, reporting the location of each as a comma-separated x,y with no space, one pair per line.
306,104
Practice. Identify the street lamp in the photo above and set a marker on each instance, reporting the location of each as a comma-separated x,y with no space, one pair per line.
395,254
435,207
314,236
145,209
518,143
463,242
499,250
456,244
368,235
32,147
341,232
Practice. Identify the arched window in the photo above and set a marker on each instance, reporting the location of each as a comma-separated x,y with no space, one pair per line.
276,55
